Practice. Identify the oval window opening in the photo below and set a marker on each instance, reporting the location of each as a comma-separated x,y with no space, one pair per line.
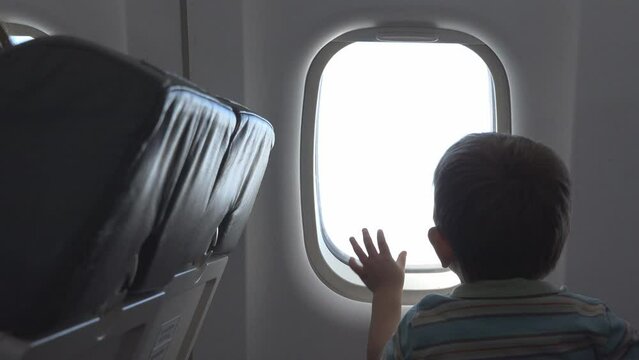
383,115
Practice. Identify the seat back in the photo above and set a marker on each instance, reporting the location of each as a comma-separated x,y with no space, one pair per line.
124,190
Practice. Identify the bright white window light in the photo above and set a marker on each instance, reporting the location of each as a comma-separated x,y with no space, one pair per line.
19,39
386,114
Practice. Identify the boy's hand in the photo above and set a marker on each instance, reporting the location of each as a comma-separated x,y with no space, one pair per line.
379,271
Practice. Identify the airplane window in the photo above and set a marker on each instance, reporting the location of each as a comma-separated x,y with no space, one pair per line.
20,33
384,114
17,39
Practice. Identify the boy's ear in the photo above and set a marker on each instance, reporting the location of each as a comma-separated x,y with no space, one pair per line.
441,246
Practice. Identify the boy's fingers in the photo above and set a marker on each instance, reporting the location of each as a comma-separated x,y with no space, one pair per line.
368,242
401,260
381,243
352,263
358,250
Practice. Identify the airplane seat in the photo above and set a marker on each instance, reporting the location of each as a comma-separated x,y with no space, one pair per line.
124,189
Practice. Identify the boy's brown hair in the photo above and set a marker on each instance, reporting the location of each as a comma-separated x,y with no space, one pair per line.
503,204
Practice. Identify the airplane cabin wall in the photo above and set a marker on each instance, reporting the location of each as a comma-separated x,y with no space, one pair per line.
154,32
101,21
143,28
603,254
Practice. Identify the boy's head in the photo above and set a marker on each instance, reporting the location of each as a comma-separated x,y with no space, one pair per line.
502,207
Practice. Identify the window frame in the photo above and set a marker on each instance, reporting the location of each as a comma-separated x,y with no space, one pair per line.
15,29
317,242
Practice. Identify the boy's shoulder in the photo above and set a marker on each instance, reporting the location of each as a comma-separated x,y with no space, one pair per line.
449,302
579,297
436,312
431,301
440,323
435,300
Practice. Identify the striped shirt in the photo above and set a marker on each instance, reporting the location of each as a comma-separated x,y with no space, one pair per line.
512,319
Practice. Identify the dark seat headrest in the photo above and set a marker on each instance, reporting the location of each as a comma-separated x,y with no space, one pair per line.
116,176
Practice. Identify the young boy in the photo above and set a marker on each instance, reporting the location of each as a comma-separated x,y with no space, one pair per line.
501,218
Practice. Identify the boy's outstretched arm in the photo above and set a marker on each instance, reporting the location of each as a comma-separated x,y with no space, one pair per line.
384,276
